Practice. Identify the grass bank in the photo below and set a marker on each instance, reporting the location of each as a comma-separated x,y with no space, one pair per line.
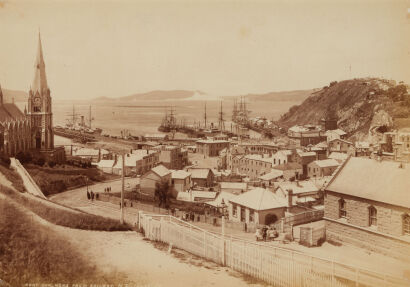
13,177
65,217
33,253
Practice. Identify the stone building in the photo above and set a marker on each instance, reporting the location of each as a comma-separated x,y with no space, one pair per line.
321,168
211,148
33,129
367,204
172,157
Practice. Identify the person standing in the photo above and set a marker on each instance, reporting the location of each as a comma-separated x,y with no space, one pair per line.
88,195
92,195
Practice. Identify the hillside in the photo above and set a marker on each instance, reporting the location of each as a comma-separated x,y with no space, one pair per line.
153,96
298,95
361,105
19,96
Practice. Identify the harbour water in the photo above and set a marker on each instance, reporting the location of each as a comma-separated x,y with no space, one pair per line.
144,118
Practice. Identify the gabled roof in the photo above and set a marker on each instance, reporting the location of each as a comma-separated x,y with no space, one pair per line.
259,199
337,131
288,166
326,163
180,174
342,140
275,173
161,170
10,112
298,187
234,185
226,196
381,181
199,172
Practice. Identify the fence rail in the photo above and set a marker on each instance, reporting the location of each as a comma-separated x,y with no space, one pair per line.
274,265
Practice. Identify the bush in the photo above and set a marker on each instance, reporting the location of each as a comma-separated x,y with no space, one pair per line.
24,157
51,164
5,161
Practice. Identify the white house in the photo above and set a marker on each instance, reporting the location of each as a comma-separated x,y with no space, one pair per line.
156,175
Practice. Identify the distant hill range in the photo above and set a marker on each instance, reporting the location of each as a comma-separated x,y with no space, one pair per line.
299,95
19,96
154,96
363,106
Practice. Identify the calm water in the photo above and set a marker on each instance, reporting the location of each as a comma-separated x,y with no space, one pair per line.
144,117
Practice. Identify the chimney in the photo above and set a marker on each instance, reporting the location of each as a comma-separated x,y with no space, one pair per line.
290,197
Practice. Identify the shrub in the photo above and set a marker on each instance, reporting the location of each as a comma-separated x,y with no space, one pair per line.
5,161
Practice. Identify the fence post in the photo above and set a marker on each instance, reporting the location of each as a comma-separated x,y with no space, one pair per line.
161,229
333,273
139,220
282,225
204,244
230,253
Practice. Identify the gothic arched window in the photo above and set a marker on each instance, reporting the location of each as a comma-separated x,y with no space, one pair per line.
342,208
406,224
372,216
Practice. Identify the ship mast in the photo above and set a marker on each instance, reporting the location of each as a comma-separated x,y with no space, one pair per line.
205,116
221,120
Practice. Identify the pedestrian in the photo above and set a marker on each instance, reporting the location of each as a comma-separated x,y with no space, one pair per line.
96,196
264,232
105,189
92,195
88,195
120,204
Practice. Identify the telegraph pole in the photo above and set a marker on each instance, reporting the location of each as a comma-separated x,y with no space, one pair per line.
122,190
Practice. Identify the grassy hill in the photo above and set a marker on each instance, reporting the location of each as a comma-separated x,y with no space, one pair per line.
361,105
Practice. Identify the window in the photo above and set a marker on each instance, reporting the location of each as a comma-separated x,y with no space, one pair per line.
406,224
372,216
251,215
342,208
234,210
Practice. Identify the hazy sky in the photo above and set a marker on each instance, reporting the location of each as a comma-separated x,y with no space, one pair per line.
107,48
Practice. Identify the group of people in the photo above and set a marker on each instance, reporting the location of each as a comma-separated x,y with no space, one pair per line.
91,195
107,189
266,233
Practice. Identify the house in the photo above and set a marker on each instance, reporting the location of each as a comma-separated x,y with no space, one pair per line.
203,177
269,178
335,134
146,159
281,157
338,156
196,195
212,147
304,158
297,191
95,155
172,157
320,149
320,168
257,206
254,165
397,143
290,170
339,145
181,181
106,165
367,204
362,149
233,187
156,175
224,197
307,134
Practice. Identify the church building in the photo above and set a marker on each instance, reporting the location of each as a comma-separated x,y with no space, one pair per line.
33,129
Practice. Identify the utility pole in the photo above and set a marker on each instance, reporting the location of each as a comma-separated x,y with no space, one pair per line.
122,189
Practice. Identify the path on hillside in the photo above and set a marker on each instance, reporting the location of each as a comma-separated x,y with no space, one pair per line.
29,183
347,254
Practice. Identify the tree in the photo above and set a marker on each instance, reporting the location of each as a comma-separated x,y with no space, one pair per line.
162,192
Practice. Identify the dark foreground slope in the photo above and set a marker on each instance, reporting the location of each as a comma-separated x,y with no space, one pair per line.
362,106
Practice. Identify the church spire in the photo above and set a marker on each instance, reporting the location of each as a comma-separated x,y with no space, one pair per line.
1,97
40,80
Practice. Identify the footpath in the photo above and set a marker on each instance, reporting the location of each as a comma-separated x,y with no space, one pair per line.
28,181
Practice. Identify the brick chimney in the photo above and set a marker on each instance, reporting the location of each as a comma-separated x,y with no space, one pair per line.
290,197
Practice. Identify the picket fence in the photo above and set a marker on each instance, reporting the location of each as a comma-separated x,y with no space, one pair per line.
274,265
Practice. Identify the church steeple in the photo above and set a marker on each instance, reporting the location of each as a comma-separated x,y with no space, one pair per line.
1,97
40,80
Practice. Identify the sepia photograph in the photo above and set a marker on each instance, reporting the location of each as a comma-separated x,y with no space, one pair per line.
191,143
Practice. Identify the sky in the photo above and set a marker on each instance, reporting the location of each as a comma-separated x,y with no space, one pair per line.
118,48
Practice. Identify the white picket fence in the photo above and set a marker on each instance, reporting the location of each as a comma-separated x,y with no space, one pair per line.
276,266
